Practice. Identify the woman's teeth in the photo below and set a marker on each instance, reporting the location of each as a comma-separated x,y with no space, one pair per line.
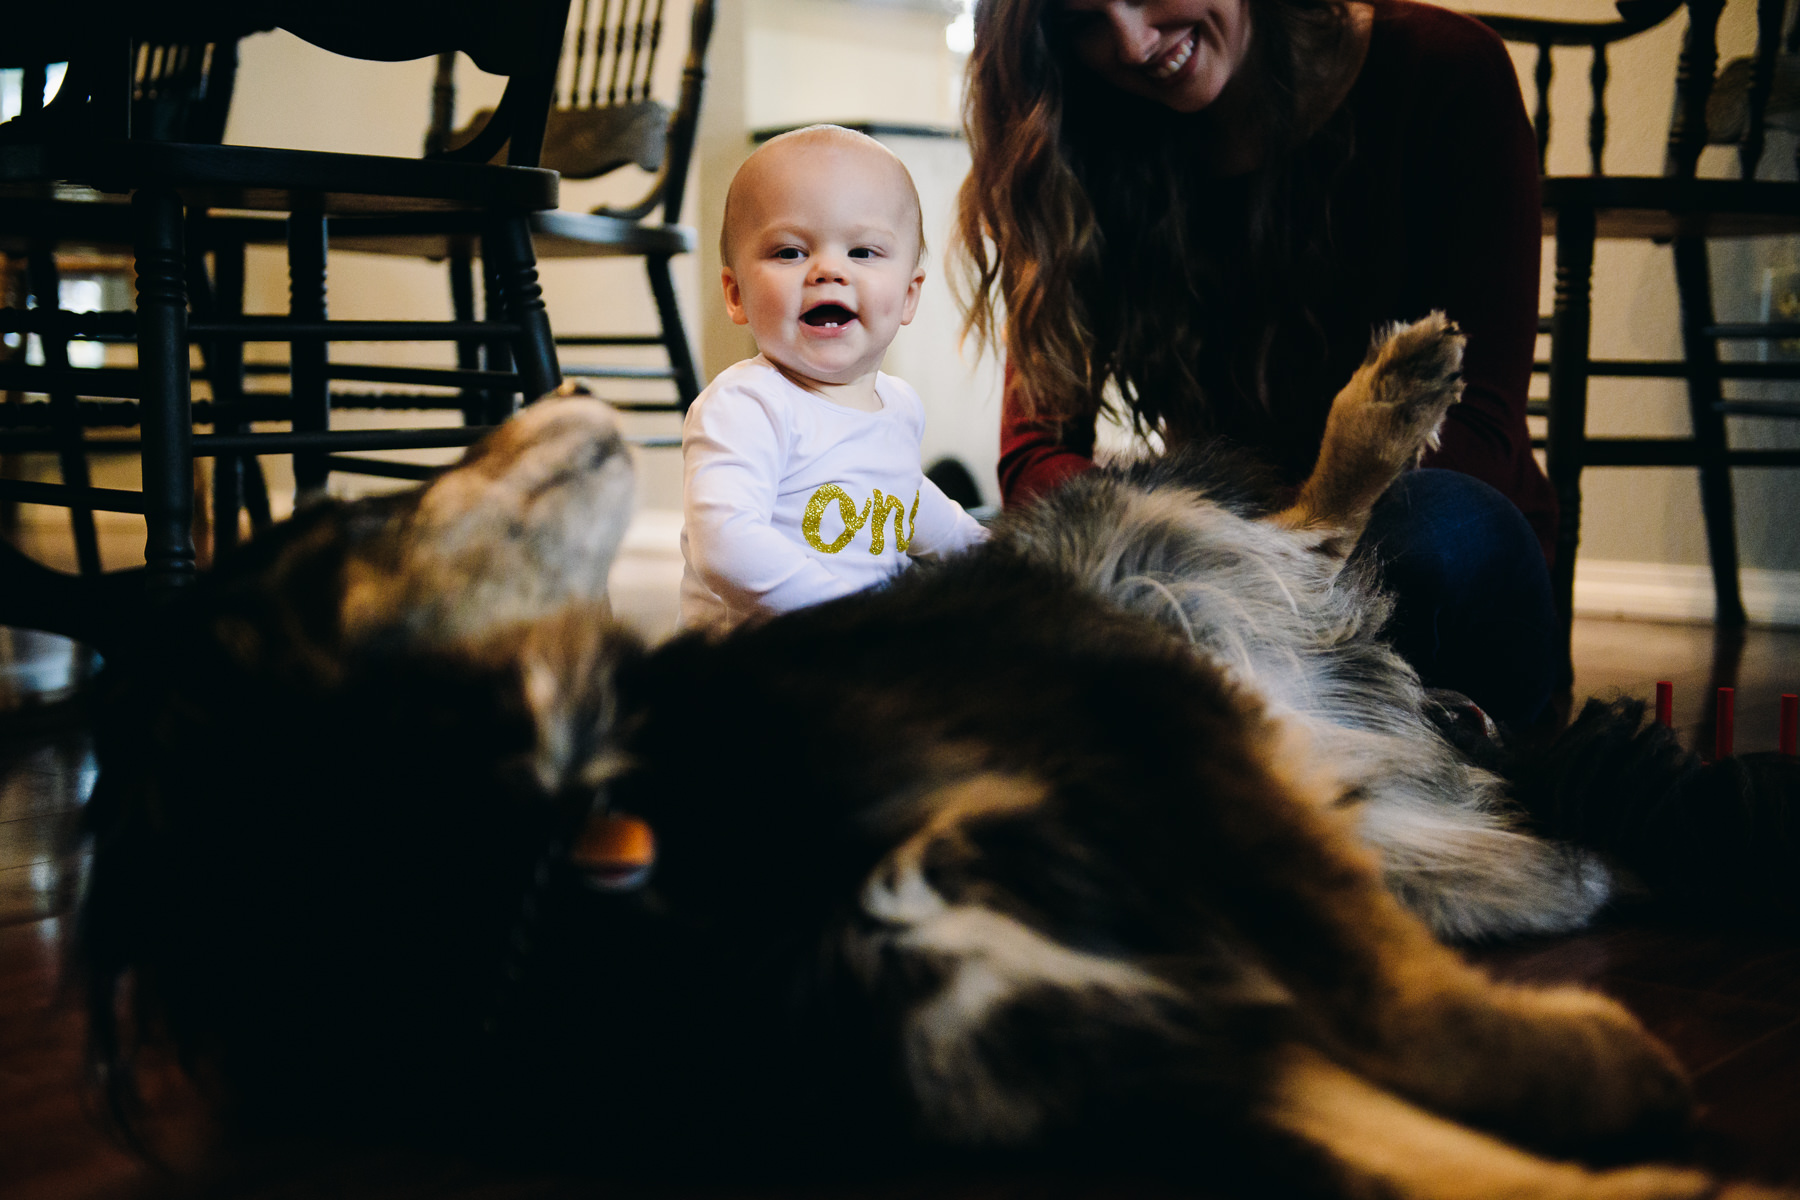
1175,61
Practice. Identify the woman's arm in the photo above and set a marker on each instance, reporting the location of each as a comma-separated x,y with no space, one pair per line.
1037,455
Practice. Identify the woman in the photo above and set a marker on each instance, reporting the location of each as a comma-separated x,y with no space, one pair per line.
1194,213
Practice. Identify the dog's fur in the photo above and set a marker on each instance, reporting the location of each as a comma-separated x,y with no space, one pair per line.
1096,845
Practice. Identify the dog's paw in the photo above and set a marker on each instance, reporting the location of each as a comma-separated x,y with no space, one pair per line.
1379,425
1413,376
1597,1080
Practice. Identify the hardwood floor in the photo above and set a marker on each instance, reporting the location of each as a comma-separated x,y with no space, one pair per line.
1727,1002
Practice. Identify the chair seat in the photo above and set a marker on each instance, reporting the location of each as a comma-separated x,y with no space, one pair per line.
553,235
588,235
93,228
1659,207
258,178
82,220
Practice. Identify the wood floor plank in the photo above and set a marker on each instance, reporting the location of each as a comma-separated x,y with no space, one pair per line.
1704,1029
1750,1111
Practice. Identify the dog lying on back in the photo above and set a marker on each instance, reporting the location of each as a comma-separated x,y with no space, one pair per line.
1120,842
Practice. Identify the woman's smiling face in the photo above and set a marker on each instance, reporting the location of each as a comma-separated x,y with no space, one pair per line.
1178,53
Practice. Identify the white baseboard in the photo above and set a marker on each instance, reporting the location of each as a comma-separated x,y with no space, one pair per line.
654,531
1667,592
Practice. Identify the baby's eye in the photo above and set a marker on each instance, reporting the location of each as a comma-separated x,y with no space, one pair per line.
788,253
863,252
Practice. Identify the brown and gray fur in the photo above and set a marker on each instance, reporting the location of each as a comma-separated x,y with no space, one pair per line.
1270,603
1118,844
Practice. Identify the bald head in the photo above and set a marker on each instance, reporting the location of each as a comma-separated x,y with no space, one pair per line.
814,157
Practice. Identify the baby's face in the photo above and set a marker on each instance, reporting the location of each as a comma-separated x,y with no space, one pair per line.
824,257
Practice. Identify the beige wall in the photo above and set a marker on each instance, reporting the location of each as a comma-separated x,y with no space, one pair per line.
809,60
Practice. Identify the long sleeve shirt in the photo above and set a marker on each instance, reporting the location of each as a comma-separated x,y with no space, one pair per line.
789,499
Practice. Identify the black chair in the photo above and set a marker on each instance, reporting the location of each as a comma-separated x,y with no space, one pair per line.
179,92
604,117
68,168
1680,209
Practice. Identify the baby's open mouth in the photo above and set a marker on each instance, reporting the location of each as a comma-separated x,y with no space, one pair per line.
828,316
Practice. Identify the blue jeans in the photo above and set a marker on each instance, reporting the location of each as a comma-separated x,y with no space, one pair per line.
1472,594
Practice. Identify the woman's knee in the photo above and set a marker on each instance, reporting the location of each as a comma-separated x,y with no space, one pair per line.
1450,531
1473,610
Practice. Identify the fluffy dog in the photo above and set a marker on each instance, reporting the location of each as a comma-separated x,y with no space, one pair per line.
1120,842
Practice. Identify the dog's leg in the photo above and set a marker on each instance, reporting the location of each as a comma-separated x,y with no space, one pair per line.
1560,1067
1373,1143
1383,420
1454,851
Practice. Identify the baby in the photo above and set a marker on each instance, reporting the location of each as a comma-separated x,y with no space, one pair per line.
801,477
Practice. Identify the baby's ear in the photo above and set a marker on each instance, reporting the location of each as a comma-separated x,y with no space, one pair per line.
734,299
913,290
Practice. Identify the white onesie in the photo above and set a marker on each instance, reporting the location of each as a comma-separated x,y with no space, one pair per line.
789,499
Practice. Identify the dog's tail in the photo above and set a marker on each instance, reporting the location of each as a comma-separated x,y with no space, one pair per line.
1719,837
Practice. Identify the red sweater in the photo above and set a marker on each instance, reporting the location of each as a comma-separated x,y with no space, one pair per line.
1437,208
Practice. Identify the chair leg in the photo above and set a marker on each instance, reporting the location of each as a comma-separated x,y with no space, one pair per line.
674,332
496,353
1570,326
256,494
468,350
65,412
166,410
241,484
224,297
1693,281
310,381
229,263
13,293
246,477
507,245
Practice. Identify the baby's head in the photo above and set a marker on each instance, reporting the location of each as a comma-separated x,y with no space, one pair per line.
823,245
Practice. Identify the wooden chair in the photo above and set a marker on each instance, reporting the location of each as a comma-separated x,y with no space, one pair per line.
604,117
76,160
1677,208
179,92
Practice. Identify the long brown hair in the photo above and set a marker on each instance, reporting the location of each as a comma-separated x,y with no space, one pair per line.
1098,248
